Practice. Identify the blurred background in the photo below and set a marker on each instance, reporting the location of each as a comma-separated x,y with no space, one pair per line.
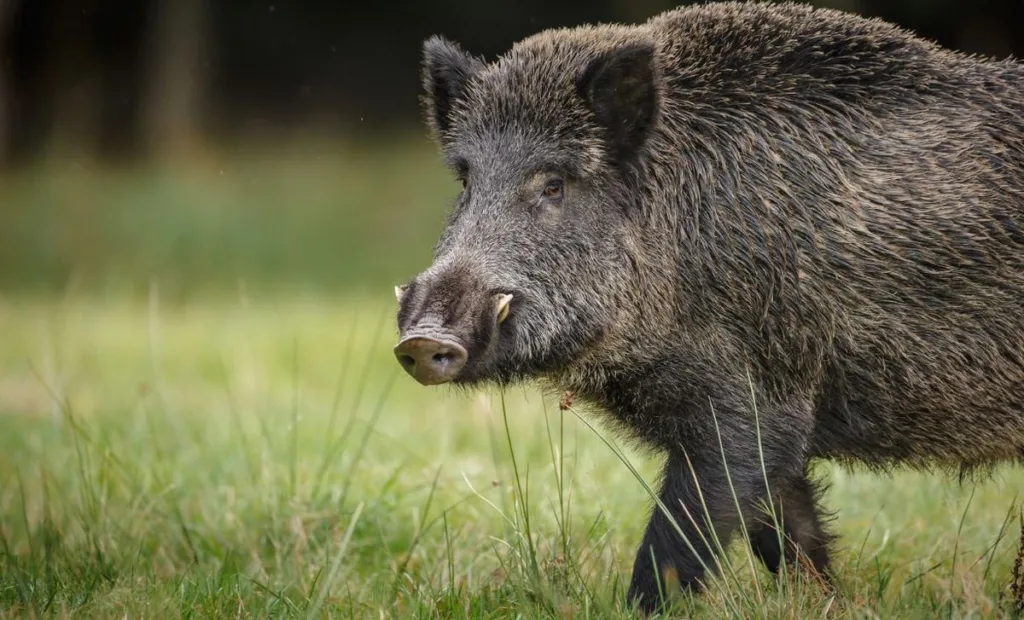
204,143
204,206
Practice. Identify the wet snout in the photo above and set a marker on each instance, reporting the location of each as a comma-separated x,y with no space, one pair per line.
448,325
429,360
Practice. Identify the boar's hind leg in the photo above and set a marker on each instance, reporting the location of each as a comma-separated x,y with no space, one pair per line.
797,510
702,498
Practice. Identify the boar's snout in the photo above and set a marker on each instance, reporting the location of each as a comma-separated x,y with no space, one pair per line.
449,322
429,360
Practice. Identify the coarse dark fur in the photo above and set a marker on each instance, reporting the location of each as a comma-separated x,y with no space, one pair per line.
734,206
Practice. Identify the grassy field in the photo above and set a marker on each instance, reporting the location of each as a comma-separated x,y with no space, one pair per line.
238,440
313,217
262,456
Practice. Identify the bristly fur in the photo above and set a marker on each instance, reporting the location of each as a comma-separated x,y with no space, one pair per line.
766,205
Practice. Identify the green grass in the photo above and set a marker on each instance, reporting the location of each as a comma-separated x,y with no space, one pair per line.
240,440
263,456
308,216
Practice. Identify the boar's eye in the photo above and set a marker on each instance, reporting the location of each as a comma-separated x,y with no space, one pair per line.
554,189
462,172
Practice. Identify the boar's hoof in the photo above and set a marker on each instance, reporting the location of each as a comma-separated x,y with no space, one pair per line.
430,361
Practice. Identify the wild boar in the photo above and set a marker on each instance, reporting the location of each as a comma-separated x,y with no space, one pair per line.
736,208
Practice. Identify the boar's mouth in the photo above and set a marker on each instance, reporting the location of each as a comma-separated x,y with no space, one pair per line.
449,341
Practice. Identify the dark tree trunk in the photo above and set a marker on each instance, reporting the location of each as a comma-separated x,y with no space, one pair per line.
175,93
7,8
70,83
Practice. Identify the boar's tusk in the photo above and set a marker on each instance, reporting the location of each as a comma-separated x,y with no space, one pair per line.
400,292
503,301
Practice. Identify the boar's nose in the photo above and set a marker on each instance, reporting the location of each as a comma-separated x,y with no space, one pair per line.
430,361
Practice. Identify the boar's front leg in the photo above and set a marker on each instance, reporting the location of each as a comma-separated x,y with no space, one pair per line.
698,493
803,534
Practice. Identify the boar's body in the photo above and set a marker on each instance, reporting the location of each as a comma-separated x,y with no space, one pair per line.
735,205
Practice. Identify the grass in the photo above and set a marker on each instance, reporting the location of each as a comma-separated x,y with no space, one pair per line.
239,440
314,217
263,456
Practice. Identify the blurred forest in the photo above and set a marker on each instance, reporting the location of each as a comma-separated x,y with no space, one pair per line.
140,78
113,82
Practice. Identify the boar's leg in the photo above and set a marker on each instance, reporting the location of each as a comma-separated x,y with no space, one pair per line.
667,562
797,510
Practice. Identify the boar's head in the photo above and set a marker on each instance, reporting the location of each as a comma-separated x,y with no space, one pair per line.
535,263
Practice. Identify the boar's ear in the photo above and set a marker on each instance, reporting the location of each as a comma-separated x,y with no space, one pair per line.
619,88
446,69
